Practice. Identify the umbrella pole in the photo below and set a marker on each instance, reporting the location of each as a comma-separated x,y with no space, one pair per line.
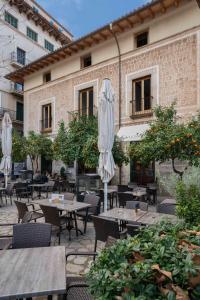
6,181
105,196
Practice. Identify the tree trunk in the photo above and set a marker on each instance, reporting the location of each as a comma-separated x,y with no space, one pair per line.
177,171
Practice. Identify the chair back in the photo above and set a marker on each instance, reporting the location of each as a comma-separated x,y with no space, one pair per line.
68,196
21,208
105,228
51,215
123,188
123,198
94,201
31,235
10,187
166,208
132,205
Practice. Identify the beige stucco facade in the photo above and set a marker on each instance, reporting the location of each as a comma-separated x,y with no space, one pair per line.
171,58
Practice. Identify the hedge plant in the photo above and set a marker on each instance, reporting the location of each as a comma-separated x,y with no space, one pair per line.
161,262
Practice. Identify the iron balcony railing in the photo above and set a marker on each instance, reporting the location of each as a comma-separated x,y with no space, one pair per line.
46,125
142,108
17,89
87,112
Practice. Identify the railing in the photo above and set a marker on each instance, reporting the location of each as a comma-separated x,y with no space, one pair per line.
142,111
46,125
20,60
87,112
13,114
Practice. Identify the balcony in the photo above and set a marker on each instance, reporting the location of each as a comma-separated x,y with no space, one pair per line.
142,110
15,116
87,112
46,126
18,61
17,89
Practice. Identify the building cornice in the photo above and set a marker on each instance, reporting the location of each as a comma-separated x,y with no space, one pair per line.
32,13
147,12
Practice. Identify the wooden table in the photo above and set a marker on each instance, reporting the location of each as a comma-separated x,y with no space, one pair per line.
151,218
32,272
123,214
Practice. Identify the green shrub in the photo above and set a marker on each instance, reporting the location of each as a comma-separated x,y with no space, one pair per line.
188,203
147,265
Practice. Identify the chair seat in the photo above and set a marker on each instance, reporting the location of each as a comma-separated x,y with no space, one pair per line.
76,292
82,213
31,215
36,215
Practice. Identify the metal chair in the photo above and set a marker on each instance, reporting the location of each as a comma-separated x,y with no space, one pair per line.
166,208
140,204
133,229
31,235
52,216
31,215
85,214
48,188
123,198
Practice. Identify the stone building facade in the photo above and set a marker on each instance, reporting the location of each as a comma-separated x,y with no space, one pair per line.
167,67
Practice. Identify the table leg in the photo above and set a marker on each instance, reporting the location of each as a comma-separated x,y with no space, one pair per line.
76,226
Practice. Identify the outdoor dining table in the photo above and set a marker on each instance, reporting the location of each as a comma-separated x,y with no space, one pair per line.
66,205
39,187
124,214
32,272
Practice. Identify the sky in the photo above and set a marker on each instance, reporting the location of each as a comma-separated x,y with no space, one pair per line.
83,16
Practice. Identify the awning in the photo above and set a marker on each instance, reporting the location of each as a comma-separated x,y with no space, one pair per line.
132,133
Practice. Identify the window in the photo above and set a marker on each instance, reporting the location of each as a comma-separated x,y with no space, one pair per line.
142,39
21,56
47,77
86,61
48,46
11,20
19,111
86,102
141,95
32,34
46,117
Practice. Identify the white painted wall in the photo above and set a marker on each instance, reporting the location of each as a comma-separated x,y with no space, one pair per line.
10,39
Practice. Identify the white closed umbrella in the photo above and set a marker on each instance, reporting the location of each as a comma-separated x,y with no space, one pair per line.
106,131
6,141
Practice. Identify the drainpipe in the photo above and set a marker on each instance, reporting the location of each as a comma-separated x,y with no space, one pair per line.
120,85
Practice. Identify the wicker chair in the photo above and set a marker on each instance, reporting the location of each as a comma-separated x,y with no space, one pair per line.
124,188
133,204
31,215
105,228
166,208
123,198
27,235
48,188
9,192
22,191
31,235
68,196
85,214
52,216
